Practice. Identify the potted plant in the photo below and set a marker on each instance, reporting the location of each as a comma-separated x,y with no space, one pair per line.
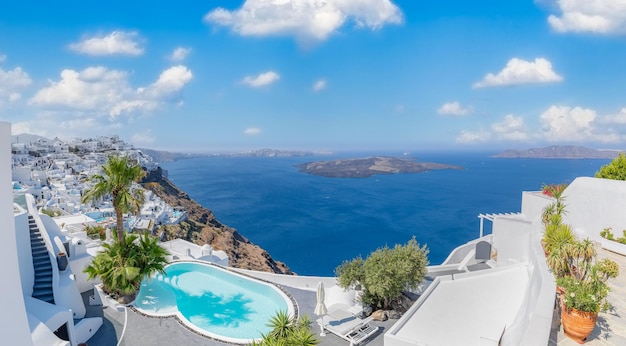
583,279
62,261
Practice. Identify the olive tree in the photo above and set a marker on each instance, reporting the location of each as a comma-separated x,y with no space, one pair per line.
385,273
615,170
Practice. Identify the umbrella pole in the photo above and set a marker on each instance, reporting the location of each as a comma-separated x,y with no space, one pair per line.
322,327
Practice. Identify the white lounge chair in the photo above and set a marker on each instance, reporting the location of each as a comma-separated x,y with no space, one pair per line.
348,327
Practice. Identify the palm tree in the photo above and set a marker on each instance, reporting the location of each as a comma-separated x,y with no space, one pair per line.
288,331
122,265
119,175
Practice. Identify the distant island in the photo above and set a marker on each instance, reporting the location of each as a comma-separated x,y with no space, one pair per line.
166,156
367,167
559,152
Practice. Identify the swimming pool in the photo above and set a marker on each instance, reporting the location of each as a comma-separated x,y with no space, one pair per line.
212,301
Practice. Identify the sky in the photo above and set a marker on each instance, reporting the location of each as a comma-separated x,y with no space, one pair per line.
232,75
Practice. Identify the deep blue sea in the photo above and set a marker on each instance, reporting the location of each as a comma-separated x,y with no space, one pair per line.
314,223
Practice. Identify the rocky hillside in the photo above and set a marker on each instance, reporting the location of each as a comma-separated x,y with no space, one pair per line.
202,227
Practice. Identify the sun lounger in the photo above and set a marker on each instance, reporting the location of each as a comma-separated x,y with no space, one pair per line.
348,327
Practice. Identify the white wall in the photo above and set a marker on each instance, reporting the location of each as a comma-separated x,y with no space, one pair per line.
593,204
511,239
533,203
13,320
25,257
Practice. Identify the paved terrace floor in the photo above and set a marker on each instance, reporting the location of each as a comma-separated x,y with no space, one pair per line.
141,330
611,326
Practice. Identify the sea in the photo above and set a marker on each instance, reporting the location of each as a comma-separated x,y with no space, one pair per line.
314,223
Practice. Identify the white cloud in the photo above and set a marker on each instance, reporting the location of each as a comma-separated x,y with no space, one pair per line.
3,58
145,137
11,82
170,83
252,131
557,124
596,16
263,79
454,108
307,20
511,128
618,118
319,85
117,42
18,128
562,123
518,71
179,54
103,92
14,97
473,137
91,89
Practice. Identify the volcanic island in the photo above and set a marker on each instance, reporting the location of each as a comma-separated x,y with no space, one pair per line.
367,167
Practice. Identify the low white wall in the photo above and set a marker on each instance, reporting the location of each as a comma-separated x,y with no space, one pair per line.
613,246
78,264
67,295
301,282
593,204
533,321
87,328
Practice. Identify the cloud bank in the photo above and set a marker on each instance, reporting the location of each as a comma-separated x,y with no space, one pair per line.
306,20
101,91
595,16
562,124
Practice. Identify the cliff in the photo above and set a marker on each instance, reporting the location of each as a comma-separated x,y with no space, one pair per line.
202,227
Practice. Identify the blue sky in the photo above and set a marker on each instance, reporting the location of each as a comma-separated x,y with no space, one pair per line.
334,75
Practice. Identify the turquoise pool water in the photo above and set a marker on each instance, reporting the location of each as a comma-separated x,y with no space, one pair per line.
213,301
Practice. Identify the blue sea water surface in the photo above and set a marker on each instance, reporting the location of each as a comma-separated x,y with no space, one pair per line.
314,223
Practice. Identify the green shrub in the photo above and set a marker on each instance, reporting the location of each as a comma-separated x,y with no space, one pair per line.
96,230
385,273
615,170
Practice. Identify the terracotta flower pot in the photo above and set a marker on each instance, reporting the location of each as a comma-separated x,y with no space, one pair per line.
577,324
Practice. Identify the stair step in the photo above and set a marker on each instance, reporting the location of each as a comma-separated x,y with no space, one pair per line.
43,274
37,246
43,291
40,254
46,298
43,271
43,280
39,286
42,265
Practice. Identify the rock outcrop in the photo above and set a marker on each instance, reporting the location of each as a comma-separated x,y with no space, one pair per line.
201,227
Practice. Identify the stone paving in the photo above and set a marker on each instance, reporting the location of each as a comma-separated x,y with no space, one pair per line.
142,330
611,326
